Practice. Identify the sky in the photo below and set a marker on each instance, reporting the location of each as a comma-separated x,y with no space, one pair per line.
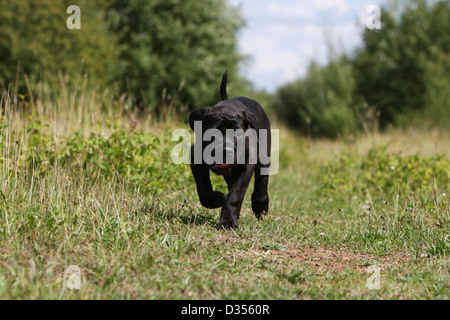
282,37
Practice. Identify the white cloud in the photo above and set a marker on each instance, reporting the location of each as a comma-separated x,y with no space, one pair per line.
284,36
291,8
341,6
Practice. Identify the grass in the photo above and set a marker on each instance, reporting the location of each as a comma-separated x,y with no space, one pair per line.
96,189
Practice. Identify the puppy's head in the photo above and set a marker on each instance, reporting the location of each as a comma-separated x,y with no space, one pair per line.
222,128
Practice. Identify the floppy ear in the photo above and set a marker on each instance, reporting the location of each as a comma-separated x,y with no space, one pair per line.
198,115
249,120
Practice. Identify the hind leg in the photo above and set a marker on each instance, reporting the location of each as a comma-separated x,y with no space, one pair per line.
260,196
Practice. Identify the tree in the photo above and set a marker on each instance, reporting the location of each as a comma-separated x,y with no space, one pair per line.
35,41
176,50
391,67
159,52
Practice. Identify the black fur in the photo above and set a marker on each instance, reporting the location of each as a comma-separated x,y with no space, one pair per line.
237,113
223,87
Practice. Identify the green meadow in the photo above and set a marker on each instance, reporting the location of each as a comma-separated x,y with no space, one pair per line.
360,219
93,207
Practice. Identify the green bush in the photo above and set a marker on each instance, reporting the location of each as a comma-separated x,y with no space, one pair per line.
112,153
385,174
320,104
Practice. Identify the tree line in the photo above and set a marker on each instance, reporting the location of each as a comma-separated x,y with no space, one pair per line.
161,53
158,52
399,76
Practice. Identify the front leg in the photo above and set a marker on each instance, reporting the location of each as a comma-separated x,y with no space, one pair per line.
237,185
208,197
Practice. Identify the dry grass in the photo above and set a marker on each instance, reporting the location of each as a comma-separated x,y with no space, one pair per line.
427,143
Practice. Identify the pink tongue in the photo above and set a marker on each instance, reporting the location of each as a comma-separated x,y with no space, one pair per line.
221,166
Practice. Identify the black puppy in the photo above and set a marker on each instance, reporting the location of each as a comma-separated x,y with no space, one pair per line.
242,116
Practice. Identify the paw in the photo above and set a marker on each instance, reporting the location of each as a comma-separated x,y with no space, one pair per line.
213,200
227,224
260,207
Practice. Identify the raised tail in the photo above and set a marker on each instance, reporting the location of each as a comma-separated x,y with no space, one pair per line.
223,86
